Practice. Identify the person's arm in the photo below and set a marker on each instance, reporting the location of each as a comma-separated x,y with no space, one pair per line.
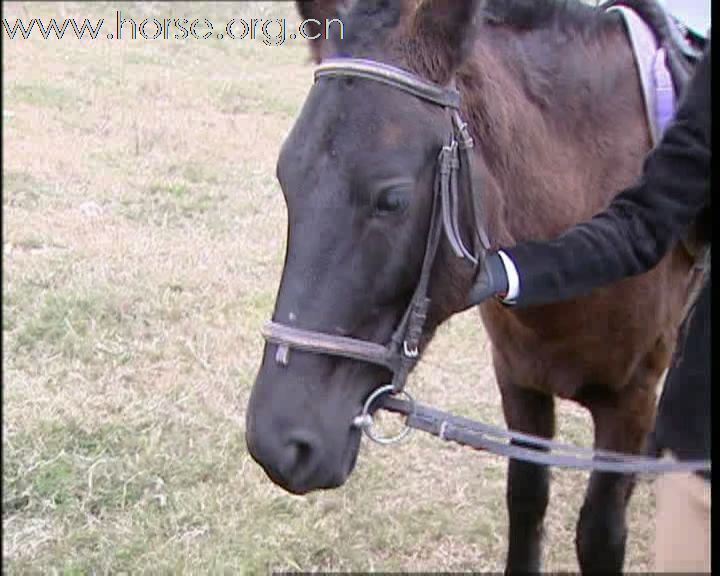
637,229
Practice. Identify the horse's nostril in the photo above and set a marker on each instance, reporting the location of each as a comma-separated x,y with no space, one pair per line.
303,451
300,454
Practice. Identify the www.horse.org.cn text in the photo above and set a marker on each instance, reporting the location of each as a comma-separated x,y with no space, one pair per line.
271,31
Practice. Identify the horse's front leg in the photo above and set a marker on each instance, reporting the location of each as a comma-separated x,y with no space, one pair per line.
622,422
528,485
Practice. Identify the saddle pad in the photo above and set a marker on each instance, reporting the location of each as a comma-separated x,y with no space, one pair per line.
650,60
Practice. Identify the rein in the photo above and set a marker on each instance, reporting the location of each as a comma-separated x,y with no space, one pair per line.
401,353
517,445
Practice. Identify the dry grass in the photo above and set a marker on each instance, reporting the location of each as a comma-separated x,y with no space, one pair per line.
142,246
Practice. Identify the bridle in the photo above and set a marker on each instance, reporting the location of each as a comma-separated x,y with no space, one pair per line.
401,353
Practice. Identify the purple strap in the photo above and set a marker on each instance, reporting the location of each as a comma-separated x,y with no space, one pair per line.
664,95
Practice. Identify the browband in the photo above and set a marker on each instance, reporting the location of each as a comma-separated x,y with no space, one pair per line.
392,76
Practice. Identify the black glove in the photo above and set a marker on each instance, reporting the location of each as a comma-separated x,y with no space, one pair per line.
491,280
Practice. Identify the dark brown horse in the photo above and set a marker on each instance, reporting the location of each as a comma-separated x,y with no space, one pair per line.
554,104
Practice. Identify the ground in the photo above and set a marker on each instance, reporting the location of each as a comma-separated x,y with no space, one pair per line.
143,240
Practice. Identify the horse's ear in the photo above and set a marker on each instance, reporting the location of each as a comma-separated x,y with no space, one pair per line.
444,30
322,11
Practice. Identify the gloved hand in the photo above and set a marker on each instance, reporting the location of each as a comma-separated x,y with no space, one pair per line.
491,280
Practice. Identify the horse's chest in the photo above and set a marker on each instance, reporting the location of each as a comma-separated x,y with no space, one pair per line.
554,355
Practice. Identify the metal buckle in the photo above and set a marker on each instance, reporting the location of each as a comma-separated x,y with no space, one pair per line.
448,157
410,352
364,420
462,128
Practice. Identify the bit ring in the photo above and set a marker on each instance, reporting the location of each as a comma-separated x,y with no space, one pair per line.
364,420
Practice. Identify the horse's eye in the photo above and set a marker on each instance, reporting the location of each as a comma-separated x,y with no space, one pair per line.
392,200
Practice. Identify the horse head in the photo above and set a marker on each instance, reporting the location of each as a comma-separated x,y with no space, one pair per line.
358,173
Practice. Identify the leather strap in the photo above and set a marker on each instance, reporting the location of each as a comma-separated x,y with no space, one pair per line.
529,448
322,343
392,76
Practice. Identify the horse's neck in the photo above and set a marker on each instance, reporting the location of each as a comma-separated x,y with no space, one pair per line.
557,132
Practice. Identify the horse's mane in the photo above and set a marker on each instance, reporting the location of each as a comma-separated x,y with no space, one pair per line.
566,15
369,21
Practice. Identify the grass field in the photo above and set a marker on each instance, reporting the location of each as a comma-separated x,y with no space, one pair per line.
143,239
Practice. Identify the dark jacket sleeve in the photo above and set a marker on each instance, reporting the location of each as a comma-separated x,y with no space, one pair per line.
642,222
